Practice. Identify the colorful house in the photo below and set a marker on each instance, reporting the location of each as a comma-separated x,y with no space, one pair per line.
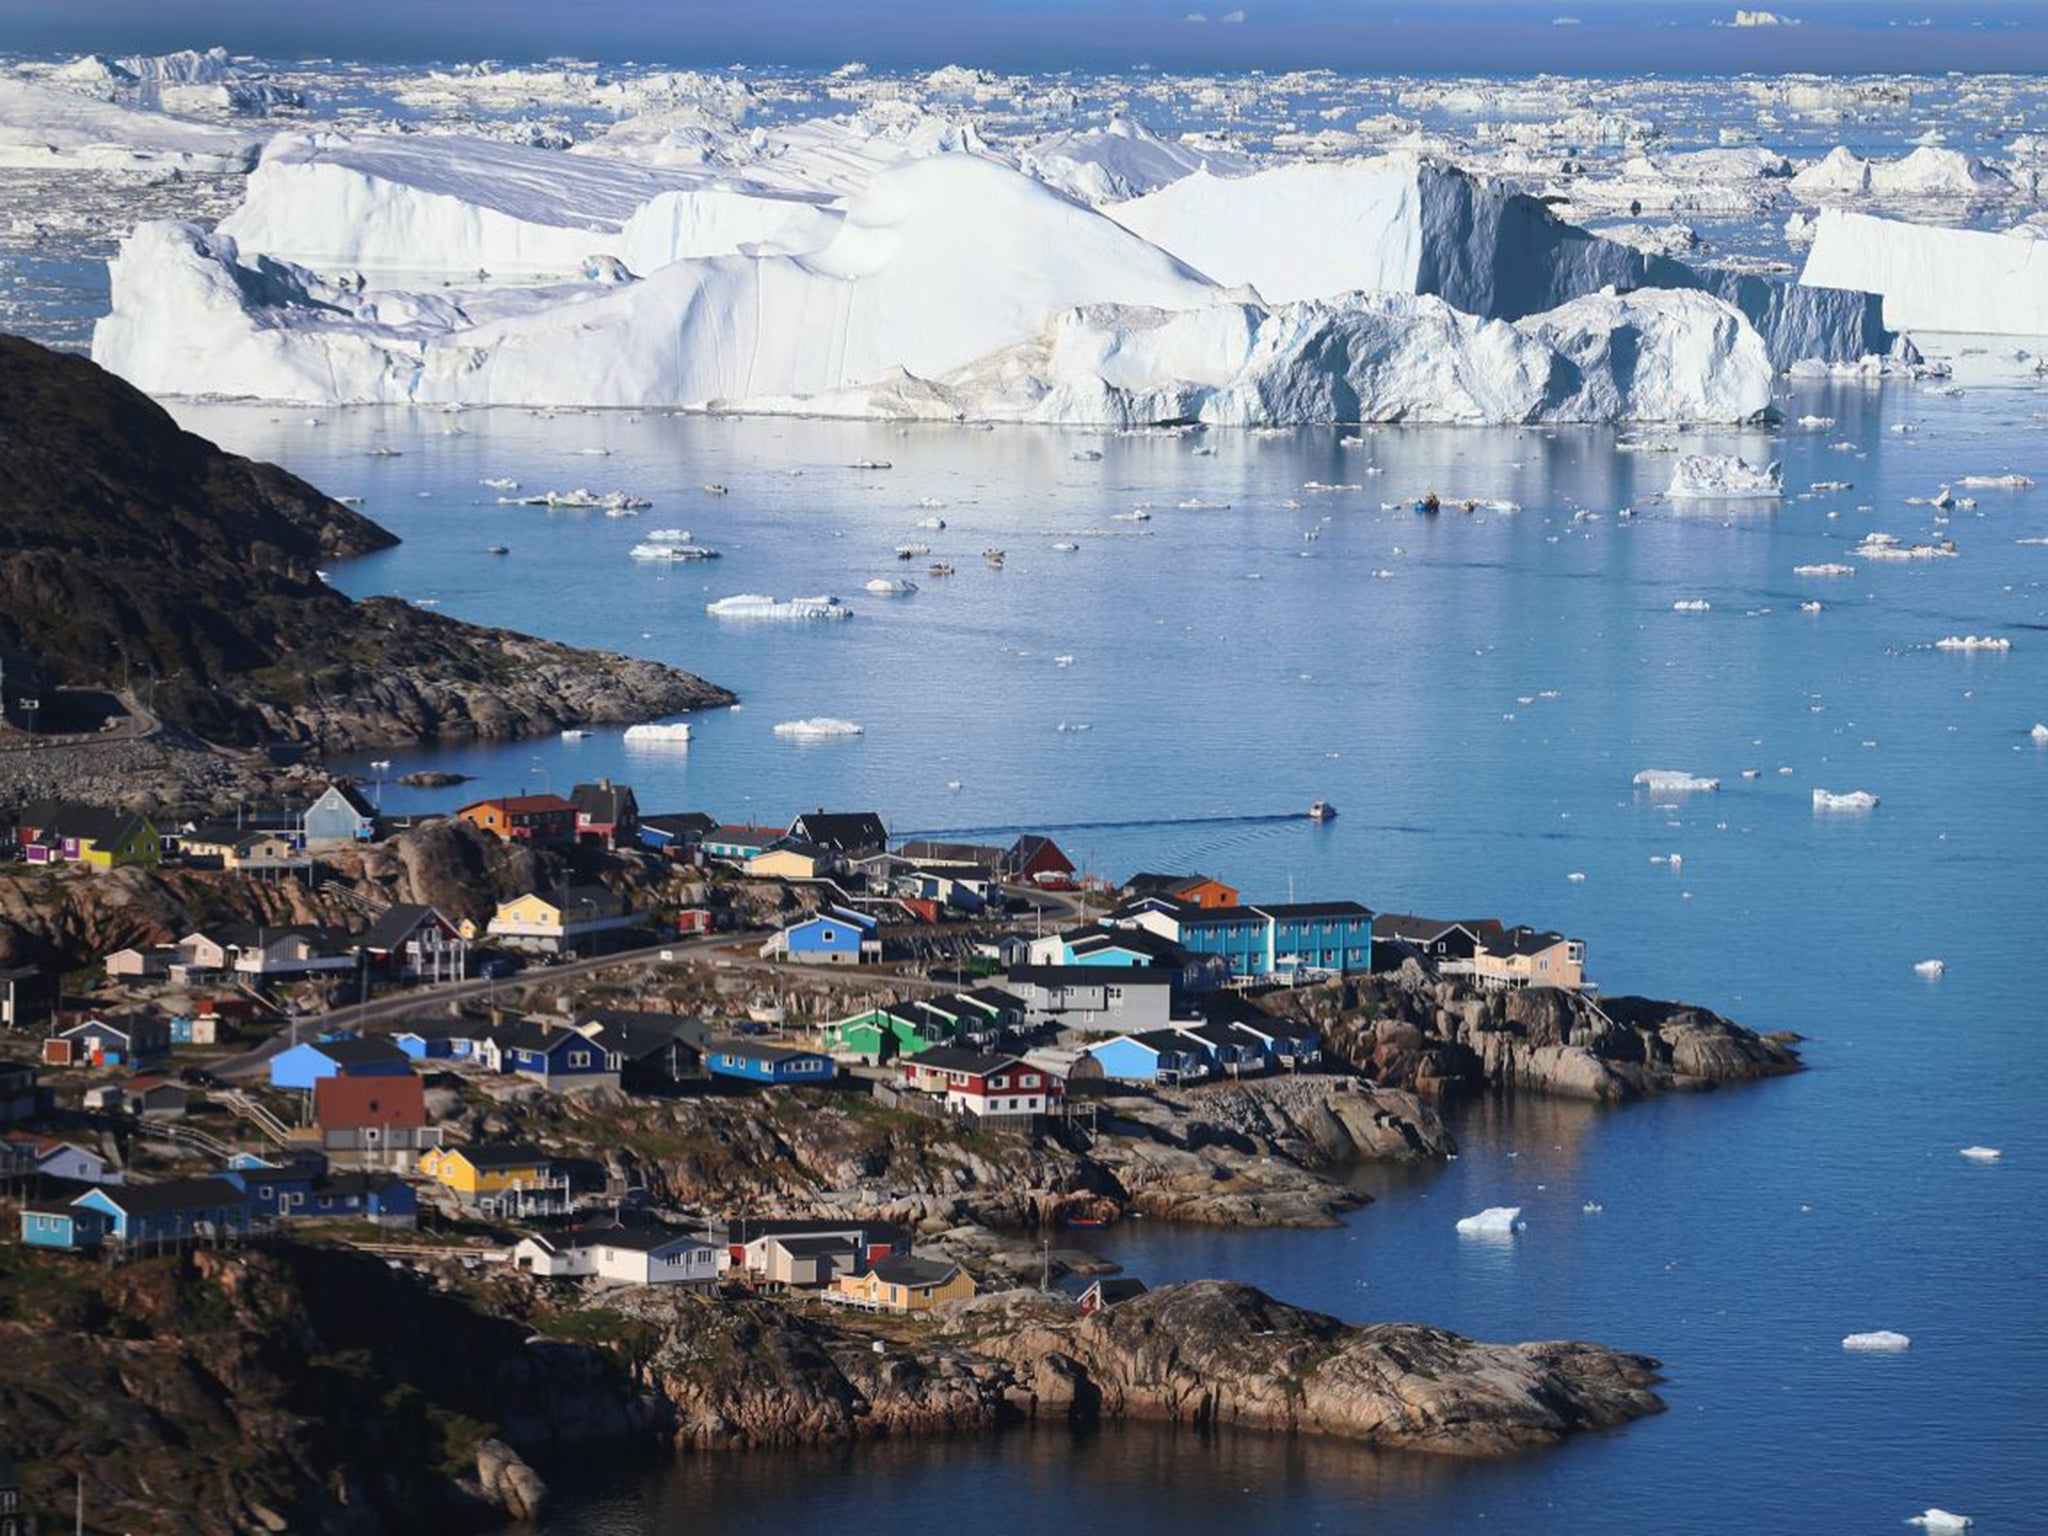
382,1113
984,1087
408,942
738,843
835,936
65,832
1529,957
1204,891
790,859
1271,940
1156,1056
499,1179
305,1064
544,821
607,814
124,1040
61,1225
550,922
742,1061
167,1213
626,1255
1436,941
1095,999
20,1094
552,1055
339,816
904,1285
677,832
1036,860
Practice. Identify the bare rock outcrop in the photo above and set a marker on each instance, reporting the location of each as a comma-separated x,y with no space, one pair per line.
1441,1038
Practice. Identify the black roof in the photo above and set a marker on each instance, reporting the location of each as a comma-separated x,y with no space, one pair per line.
358,1050
71,818
1165,1040
813,1247
897,1270
639,1239
173,1195
977,855
604,802
949,1058
747,1050
680,823
1309,909
1091,975
504,1155
841,831
394,925
350,794
1138,940
1405,925
1524,941
748,1229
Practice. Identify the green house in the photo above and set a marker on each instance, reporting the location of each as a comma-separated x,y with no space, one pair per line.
885,1033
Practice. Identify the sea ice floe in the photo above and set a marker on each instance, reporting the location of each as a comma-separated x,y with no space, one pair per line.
1930,967
1982,1154
1851,800
1882,1339
1941,1520
1722,476
1973,643
1494,1221
1692,605
818,728
1673,781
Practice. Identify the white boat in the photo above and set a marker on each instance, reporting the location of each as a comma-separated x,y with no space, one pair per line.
883,586
757,605
574,735
1066,546
1322,810
673,731
994,557
912,551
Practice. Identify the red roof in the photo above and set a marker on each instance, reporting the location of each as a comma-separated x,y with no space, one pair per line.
357,1103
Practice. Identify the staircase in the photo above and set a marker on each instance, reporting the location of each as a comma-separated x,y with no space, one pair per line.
253,1110
369,906
184,1136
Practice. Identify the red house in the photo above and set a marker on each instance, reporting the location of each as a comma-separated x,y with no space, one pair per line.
985,1087
543,820
373,1114
1035,860
607,814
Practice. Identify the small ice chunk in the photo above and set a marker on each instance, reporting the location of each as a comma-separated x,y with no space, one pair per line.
818,728
1973,643
1930,967
2039,732
1692,605
1982,1154
1576,876
1723,476
1942,1520
1673,781
1494,1221
1829,568
1882,1339
1853,800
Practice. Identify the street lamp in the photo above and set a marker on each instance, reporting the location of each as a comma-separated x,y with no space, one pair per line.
380,766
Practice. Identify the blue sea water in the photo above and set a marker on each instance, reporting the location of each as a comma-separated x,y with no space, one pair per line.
1477,715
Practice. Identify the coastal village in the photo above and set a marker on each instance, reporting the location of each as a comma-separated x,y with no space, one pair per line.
243,1081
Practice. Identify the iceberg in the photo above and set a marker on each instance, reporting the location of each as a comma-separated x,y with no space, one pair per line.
1830,568
1982,1154
1930,968
818,728
43,128
1692,605
1973,643
1123,159
674,732
2039,732
1934,279
1671,781
1882,1339
1941,1520
1494,1221
929,304
885,586
1721,476
755,605
1853,800
1995,482
445,204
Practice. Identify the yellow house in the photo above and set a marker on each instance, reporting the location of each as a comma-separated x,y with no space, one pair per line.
789,862
1524,957
513,1179
904,1285
551,920
111,840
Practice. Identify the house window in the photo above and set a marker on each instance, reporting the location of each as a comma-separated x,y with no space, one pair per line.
579,1058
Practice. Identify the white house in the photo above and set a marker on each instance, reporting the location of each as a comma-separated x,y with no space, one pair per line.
622,1255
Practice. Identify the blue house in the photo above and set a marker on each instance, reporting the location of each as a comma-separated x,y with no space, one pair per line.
745,1062
1156,1056
276,1184
305,1064
1274,939
339,816
549,1054
48,1224
436,1039
298,1186
836,936
171,1211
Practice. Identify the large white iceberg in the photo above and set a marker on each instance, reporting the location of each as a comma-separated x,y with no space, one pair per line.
44,128
1881,1340
1927,173
1933,279
1123,159
1852,800
953,288
1494,1221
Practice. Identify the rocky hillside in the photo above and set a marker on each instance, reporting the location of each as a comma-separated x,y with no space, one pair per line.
304,1390
133,553
1441,1038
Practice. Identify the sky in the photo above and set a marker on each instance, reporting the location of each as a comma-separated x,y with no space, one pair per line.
1477,36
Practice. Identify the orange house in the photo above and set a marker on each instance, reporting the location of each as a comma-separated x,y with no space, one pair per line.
1203,891
539,819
